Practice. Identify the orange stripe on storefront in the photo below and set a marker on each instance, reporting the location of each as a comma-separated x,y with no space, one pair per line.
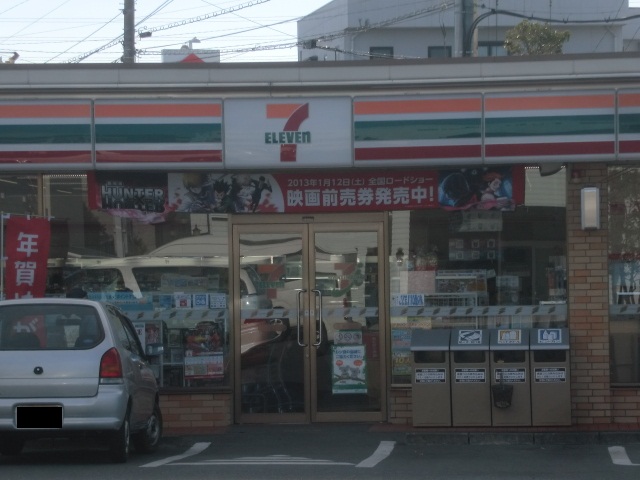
629,99
45,111
551,102
282,110
418,106
158,110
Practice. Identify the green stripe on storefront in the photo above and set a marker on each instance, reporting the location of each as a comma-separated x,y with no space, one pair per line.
159,133
439,129
549,125
44,134
629,122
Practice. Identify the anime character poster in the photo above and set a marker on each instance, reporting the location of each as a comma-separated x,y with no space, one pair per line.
140,196
197,192
481,188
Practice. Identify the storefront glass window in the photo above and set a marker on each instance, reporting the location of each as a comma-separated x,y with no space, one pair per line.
169,273
19,194
479,268
624,275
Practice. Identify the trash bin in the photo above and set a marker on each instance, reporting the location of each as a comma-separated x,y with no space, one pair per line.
510,384
431,390
550,377
470,393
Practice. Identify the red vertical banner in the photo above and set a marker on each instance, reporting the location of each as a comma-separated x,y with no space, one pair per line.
26,251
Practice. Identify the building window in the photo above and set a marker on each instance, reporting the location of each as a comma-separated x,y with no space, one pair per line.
624,275
175,294
380,52
488,258
491,49
439,52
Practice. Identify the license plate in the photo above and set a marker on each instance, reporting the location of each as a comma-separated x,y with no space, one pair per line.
39,416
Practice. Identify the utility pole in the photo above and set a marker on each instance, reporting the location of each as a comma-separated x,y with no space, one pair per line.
129,43
470,36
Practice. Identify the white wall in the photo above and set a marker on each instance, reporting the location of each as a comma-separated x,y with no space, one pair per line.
410,38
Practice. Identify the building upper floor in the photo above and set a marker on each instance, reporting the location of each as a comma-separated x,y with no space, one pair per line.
369,29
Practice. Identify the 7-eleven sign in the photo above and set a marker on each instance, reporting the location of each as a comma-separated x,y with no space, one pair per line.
288,133
291,135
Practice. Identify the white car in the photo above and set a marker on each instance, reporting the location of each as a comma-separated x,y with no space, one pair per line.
75,367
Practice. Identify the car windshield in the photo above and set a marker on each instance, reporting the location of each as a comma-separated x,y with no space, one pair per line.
49,327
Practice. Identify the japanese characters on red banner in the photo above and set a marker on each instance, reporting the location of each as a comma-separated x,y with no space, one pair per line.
26,251
385,190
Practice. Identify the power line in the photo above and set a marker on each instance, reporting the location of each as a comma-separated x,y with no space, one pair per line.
200,18
84,39
494,11
330,36
37,19
119,39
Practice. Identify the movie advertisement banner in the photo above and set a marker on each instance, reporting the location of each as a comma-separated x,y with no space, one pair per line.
140,196
26,251
149,198
303,192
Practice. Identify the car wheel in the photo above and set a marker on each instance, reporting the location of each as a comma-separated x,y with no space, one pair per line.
119,444
11,446
147,440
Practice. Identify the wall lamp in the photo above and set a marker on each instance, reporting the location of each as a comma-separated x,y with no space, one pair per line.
590,208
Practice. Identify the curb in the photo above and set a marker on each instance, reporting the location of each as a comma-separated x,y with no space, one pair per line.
521,438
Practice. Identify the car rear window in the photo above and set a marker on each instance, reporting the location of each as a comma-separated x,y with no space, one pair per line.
49,327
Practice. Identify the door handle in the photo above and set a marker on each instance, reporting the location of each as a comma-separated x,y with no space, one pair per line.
299,330
319,320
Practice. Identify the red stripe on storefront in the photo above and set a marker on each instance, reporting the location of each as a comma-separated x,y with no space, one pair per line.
7,157
547,149
159,156
629,146
417,153
158,110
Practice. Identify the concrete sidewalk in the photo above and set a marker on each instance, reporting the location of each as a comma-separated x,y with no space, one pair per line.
608,434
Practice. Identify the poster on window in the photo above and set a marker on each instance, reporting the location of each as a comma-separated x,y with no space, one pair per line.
303,192
26,252
139,196
349,369
204,366
481,188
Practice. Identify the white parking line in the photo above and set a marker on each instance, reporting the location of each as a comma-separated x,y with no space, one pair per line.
194,450
270,460
619,457
383,451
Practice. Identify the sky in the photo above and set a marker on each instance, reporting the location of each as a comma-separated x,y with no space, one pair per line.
90,31
67,31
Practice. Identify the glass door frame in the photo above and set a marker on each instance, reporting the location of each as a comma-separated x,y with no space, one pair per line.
308,225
